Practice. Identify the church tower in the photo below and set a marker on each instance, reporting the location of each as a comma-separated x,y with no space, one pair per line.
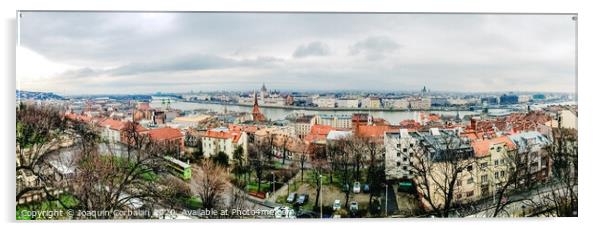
257,115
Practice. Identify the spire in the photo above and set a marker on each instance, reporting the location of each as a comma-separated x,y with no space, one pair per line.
257,115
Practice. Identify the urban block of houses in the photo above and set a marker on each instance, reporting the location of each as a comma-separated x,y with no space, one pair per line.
223,140
342,121
489,161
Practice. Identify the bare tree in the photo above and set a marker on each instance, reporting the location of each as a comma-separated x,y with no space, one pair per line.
38,134
211,181
317,170
110,179
344,160
561,198
302,161
257,159
286,140
376,168
437,172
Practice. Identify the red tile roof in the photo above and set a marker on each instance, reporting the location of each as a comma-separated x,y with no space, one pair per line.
318,132
165,134
112,124
239,128
377,131
234,135
481,147
317,129
77,117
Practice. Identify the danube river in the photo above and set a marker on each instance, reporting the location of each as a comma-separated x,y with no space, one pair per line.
394,117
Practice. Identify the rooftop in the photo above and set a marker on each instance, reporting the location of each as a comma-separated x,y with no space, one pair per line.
165,133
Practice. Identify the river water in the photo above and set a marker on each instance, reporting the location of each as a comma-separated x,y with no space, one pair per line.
394,117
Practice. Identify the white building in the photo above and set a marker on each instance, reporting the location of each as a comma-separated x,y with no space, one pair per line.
524,98
567,119
302,125
396,103
325,102
336,121
110,130
223,140
274,101
420,103
347,103
399,147
371,102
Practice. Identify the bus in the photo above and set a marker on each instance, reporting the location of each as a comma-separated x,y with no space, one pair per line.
179,168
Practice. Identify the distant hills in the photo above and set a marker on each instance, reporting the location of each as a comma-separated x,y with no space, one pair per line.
32,95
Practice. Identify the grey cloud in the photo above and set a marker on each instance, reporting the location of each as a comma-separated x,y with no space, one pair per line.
393,51
375,47
312,49
185,63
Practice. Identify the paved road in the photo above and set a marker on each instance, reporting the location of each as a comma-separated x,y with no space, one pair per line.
517,208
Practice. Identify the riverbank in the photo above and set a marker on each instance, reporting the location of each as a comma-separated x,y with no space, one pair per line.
435,109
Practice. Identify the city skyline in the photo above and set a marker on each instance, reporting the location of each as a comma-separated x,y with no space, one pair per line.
109,53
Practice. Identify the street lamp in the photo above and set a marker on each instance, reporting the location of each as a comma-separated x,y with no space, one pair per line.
386,198
321,196
273,183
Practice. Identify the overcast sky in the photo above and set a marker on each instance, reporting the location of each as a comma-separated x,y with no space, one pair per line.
95,53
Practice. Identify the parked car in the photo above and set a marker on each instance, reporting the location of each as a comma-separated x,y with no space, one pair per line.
336,205
291,197
354,206
356,187
366,188
303,198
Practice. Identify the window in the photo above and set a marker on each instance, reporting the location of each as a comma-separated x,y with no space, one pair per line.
484,179
398,145
469,168
497,175
405,159
483,165
411,145
405,150
398,154
469,194
502,173
398,163
496,162
499,149
469,181
459,183
405,168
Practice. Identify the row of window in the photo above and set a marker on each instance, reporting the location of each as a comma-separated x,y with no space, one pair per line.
468,194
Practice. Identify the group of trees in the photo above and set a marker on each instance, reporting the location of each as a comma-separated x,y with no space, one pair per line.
437,174
352,159
99,176
561,199
38,133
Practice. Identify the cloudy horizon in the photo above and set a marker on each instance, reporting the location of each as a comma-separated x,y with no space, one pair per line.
75,53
